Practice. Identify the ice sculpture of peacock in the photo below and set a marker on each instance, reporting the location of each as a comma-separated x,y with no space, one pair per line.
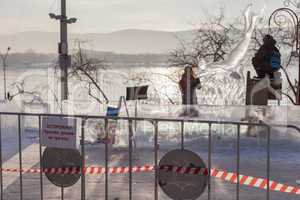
222,81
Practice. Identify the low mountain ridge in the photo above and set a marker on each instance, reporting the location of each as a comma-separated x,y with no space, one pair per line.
131,41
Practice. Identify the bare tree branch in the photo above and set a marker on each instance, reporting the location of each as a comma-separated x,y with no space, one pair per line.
211,43
85,69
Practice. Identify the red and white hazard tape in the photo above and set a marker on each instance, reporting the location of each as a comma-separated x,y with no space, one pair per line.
233,178
249,181
254,182
87,170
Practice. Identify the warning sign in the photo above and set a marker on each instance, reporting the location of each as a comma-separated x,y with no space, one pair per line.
59,132
182,185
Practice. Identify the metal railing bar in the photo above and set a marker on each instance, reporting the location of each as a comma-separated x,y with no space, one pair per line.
261,124
268,160
182,135
1,175
156,159
20,156
138,118
41,163
83,159
209,161
130,137
62,193
106,159
290,127
238,162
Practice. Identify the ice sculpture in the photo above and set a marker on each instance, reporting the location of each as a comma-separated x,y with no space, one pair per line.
222,81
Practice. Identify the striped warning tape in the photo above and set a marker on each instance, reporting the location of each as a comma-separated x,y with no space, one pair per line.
86,170
249,181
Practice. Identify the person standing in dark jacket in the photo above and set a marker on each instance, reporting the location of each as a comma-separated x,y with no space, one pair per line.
267,59
188,85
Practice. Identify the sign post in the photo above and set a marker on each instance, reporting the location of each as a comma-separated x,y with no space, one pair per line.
136,93
59,136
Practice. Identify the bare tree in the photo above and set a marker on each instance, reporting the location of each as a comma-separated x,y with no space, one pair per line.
211,42
159,92
83,68
86,69
214,43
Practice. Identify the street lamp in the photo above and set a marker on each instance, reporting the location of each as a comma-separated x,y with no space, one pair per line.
4,63
59,17
282,17
64,58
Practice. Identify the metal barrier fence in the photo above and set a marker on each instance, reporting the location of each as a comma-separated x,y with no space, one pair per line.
155,123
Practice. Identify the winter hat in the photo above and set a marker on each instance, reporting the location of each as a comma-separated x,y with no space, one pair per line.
268,39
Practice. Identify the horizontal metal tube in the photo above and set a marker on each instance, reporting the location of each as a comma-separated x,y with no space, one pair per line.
158,119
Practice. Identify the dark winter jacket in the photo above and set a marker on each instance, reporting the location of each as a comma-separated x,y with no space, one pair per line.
261,61
188,85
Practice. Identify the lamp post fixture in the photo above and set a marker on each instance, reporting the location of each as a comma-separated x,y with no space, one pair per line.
284,17
4,63
64,58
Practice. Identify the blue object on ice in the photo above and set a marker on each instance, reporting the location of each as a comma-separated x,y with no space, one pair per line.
275,60
112,111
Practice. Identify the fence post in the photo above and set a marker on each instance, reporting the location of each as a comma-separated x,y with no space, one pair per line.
62,193
156,160
130,137
209,162
1,176
41,162
83,169
182,135
20,156
106,158
268,160
238,161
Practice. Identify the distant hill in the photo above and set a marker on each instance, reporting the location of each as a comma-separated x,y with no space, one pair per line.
30,59
122,42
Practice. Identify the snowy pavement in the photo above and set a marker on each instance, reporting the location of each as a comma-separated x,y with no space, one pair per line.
285,166
285,160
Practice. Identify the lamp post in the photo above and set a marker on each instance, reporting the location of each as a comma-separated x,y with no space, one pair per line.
4,59
281,17
64,58
294,19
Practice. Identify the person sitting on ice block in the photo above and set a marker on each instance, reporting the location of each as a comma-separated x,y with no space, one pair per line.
267,60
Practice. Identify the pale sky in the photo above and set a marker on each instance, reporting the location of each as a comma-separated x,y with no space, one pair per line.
98,16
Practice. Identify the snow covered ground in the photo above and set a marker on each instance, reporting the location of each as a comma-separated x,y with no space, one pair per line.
285,161
284,168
